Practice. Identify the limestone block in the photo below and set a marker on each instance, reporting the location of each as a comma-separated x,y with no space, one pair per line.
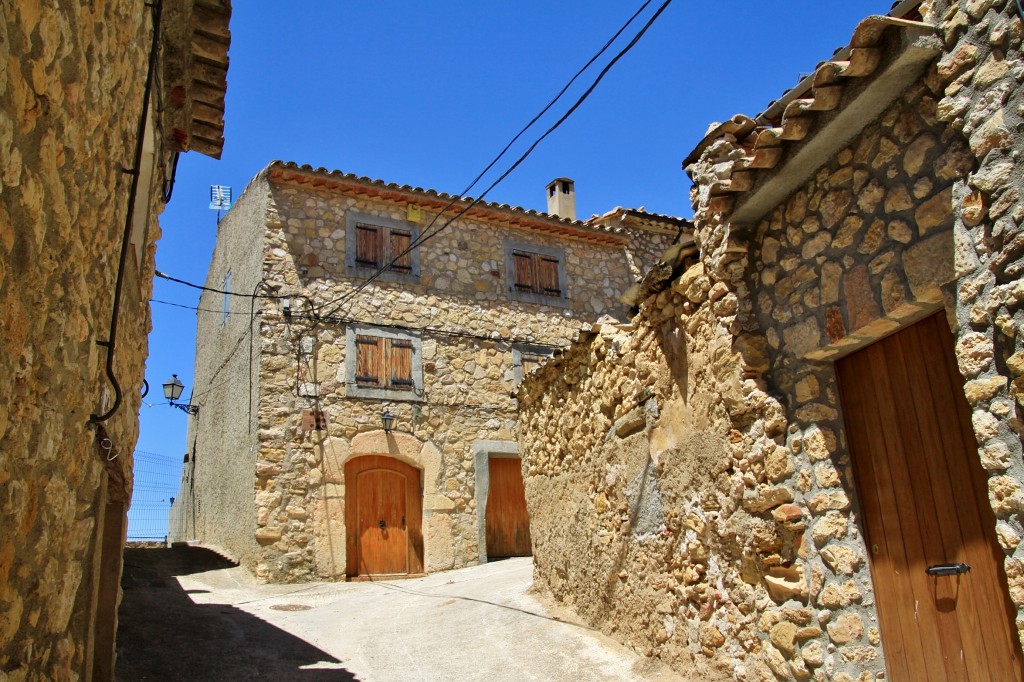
1004,493
995,456
785,583
979,390
993,177
438,543
765,497
778,464
847,628
936,213
802,337
268,535
783,636
841,559
827,501
861,306
917,153
974,353
929,265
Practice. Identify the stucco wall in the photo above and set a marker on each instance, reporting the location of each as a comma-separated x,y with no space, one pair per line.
707,514
217,506
71,90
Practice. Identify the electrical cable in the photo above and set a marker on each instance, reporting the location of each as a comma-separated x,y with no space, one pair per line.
540,114
275,297
425,236
111,342
196,308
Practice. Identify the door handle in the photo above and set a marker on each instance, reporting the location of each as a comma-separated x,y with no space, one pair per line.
382,525
947,569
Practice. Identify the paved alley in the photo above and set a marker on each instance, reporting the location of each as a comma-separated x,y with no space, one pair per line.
189,615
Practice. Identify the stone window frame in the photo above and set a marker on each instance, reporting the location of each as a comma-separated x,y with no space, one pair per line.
353,390
511,246
483,452
518,371
354,218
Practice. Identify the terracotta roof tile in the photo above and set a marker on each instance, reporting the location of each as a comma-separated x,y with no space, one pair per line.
766,138
517,216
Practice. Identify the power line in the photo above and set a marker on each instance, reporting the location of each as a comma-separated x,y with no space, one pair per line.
426,235
202,310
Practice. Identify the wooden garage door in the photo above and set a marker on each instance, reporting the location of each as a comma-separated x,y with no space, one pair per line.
507,523
924,502
382,517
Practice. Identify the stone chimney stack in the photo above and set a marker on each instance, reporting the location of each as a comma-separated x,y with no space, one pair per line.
562,198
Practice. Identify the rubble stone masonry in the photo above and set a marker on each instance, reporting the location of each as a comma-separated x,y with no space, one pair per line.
687,476
71,87
272,493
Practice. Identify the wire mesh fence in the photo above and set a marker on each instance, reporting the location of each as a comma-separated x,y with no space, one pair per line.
156,483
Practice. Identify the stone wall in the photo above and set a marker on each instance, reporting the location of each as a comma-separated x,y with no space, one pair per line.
71,89
468,328
687,478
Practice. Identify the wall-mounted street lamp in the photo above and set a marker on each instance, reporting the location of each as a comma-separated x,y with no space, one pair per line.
172,391
387,419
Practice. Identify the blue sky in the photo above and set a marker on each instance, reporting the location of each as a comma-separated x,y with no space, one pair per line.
426,93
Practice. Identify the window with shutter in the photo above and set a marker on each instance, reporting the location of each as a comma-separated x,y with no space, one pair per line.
373,242
368,360
525,359
536,274
547,276
369,246
399,251
523,274
384,363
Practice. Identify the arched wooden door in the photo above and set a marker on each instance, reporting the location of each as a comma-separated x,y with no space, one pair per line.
925,511
383,510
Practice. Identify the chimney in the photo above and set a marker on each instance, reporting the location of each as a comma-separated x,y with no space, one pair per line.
562,198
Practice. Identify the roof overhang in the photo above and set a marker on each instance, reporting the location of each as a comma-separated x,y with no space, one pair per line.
533,221
788,143
194,71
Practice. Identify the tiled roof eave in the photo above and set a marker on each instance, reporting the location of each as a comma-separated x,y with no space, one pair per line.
513,216
844,95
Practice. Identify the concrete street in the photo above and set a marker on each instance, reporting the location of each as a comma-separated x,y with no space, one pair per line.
189,615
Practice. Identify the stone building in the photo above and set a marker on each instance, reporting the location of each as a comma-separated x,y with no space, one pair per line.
96,101
359,298
784,466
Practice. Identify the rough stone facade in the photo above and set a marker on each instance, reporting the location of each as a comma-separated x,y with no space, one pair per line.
688,476
72,86
272,492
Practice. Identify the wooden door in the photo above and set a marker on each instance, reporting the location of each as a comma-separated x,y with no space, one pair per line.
924,502
507,523
382,517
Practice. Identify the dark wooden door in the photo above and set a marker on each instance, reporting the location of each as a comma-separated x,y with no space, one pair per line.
382,517
507,523
924,501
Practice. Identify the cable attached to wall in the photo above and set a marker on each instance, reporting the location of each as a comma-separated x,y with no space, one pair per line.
425,236
111,343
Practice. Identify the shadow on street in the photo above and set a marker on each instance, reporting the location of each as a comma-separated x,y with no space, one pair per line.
163,635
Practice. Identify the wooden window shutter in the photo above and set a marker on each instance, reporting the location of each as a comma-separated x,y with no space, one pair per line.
400,364
547,276
369,355
369,245
531,361
523,271
400,242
